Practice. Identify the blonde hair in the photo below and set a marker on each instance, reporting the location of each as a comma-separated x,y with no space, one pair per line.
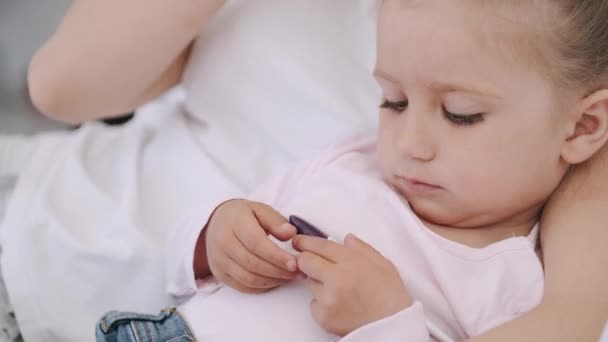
581,42
568,38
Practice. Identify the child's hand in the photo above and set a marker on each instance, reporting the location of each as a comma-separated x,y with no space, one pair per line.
352,284
239,252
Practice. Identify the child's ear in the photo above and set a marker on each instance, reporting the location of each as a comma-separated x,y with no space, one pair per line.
590,132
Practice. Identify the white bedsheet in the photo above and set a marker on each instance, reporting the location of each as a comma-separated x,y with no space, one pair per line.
84,208
9,331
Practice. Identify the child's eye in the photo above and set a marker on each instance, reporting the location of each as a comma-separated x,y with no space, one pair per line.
398,106
463,120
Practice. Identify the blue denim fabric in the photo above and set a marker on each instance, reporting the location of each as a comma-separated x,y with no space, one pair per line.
168,326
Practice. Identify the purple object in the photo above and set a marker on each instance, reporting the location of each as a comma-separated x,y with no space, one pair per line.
305,228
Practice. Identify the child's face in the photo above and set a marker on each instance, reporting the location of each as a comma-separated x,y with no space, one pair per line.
499,166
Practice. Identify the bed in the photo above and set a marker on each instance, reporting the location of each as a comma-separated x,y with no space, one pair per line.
9,331
24,24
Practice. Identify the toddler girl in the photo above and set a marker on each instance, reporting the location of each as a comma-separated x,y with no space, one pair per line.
487,105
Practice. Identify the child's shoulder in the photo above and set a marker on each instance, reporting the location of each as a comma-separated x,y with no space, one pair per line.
355,151
348,163
362,142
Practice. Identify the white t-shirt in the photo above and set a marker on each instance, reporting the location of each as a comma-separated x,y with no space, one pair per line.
270,82
284,81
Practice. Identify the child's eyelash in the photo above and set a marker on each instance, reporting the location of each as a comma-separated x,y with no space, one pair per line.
457,119
464,120
398,106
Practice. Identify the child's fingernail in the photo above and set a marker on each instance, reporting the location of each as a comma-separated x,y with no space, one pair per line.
351,237
287,227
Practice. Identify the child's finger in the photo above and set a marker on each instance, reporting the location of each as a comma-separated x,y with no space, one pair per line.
250,279
252,263
233,283
315,287
352,241
273,222
257,242
314,266
329,250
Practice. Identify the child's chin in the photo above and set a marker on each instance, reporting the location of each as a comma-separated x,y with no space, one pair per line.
432,212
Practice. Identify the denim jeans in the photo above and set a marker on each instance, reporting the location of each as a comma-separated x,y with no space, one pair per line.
168,326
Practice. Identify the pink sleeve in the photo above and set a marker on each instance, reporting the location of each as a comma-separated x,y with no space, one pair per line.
407,325
181,282
181,243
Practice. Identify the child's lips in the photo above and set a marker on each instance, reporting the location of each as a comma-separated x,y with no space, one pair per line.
415,186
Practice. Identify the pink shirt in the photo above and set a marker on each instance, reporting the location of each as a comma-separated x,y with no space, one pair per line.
465,291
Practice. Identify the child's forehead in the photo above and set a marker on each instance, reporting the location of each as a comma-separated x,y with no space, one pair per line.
514,32
489,20
522,28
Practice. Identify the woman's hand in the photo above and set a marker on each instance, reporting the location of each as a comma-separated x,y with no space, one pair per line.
574,239
238,252
352,284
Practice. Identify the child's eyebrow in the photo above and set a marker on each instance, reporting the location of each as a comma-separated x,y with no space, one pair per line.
384,75
450,87
443,87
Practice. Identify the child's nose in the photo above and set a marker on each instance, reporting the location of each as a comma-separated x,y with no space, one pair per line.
414,138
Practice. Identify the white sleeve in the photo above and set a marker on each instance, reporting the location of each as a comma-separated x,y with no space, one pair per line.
408,325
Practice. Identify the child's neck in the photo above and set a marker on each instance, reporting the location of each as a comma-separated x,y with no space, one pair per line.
482,236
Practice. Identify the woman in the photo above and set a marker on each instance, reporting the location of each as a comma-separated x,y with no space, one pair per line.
76,78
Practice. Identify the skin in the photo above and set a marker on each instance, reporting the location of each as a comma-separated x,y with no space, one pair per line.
74,78
491,149
236,250
82,86
573,238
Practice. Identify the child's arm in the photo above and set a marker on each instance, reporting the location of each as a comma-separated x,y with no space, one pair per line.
230,242
574,238
189,257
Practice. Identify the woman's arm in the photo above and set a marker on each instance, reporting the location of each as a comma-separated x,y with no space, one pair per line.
108,57
574,236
